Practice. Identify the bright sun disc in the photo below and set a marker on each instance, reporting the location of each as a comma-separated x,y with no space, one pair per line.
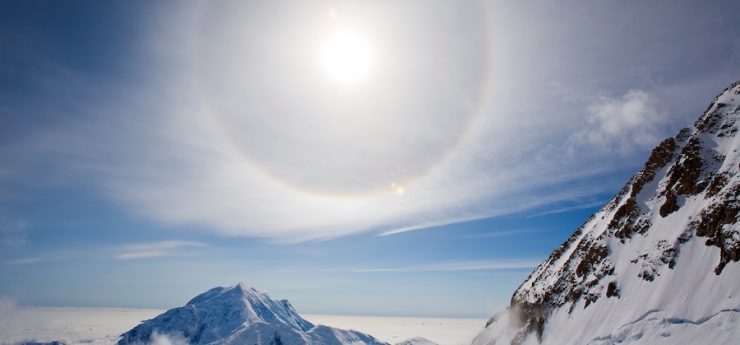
346,56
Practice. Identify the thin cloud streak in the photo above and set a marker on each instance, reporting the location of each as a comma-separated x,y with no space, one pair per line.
504,233
143,255
155,249
22,261
523,203
570,208
447,266
460,266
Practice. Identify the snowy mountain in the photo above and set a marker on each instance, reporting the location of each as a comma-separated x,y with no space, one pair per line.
417,341
657,264
239,315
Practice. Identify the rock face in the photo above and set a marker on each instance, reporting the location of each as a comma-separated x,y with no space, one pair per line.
239,315
657,264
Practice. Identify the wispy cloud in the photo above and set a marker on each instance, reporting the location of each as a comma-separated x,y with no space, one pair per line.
244,142
579,206
22,261
154,249
446,266
503,233
456,266
631,121
524,203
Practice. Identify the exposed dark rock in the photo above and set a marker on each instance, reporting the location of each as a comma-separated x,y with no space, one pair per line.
718,182
670,205
683,134
711,224
660,156
625,222
621,222
594,256
684,176
612,290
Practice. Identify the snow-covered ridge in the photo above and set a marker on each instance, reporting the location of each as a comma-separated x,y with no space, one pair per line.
239,315
667,241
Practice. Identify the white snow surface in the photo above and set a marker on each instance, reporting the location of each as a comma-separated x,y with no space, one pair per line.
687,304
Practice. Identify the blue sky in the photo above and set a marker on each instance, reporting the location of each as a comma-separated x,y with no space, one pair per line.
152,150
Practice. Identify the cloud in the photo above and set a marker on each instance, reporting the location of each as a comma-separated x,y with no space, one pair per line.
23,261
19,325
8,316
154,249
167,339
457,266
529,200
631,121
446,266
310,161
504,233
252,140
579,206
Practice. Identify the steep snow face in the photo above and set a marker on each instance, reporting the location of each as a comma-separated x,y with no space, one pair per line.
239,315
657,264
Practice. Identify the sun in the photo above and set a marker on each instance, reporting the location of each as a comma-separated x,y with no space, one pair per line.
346,56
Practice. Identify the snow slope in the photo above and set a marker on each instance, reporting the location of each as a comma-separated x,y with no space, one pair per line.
657,264
239,315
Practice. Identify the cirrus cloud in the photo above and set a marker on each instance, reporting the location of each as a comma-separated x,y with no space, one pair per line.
155,249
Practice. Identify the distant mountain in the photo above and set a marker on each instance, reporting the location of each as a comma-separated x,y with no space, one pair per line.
417,341
239,315
657,264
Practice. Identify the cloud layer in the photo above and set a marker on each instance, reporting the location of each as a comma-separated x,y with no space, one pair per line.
234,128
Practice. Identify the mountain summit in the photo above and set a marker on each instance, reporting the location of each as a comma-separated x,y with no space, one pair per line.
239,315
657,264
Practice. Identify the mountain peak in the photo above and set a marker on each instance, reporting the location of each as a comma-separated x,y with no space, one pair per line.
722,112
240,314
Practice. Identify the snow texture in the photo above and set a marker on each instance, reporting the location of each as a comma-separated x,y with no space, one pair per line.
657,264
